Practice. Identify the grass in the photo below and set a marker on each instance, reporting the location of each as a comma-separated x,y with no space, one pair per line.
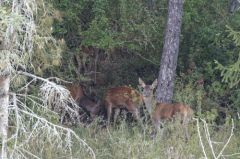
129,140
126,140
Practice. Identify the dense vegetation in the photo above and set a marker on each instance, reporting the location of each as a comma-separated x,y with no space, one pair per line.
119,41
105,43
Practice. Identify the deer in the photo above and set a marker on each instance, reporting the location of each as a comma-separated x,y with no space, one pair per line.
76,91
84,101
122,97
164,111
90,106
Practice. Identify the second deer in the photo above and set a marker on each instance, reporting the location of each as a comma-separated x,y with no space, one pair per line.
84,101
122,97
164,111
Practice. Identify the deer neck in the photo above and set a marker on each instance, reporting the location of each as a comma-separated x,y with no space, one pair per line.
149,103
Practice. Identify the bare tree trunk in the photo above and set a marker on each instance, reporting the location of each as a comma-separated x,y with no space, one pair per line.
4,102
170,52
233,5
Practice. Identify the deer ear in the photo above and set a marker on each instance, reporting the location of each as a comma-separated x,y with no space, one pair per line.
142,84
154,84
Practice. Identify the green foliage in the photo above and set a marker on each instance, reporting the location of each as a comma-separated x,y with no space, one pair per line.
203,32
231,73
131,25
211,115
131,35
189,92
112,27
99,34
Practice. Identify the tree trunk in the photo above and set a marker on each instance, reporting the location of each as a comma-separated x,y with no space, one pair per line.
233,5
170,52
4,102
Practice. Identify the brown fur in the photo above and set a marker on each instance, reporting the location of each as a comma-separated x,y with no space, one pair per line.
166,111
122,97
85,102
90,106
76,91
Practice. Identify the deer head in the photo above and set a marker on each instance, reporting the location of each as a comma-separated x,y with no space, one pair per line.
147,94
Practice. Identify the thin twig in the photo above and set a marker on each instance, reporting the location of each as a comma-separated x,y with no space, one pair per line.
230,155
60,127
220,153
208,137
58,79
200,138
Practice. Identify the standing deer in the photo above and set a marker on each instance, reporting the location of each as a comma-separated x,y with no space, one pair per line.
164,111
122,97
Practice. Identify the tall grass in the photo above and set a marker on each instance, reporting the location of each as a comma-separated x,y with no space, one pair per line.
129,140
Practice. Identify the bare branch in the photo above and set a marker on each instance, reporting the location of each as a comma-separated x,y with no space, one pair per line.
58,79
56,96
234,154
40,127
220,153
200,138
29,124
208,137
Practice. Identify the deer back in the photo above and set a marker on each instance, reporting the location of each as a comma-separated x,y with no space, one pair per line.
122,96
168,111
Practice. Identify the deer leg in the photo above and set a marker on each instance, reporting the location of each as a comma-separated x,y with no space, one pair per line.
124,115
157,127
132,108
185,125
161,130
137,117
116,113
136,114
109,113
92,115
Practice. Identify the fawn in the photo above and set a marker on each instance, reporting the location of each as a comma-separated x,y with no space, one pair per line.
164,111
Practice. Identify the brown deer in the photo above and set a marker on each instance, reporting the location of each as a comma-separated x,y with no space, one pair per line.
164,111
90,106
76,91
83,101
122,97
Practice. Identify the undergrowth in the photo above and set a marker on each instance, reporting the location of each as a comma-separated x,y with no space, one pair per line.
129,140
